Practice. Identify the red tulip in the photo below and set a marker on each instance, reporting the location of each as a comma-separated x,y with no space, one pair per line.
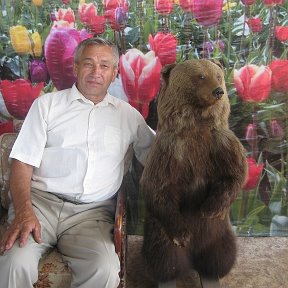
88,15
19,96
255,24
248,2
207,13
59,53
140,76
273,2
281,33
279,70
163,7
253,83
254,173
164,46
65,2
6,127
186,5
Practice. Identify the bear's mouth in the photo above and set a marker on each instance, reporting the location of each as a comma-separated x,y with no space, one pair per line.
218,92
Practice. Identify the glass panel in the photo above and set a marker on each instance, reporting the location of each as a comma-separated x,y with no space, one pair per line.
248,37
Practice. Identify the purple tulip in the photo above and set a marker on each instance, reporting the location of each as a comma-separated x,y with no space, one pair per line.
38,71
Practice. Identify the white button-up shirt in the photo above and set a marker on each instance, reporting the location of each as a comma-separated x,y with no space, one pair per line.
78,148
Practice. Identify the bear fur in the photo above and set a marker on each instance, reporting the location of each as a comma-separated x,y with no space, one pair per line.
193,172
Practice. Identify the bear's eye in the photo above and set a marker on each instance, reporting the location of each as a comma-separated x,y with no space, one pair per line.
202,77
219,78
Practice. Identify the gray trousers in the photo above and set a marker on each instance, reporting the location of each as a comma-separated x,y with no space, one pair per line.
83,234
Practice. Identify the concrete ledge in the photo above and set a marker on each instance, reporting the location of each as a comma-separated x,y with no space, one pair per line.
261,262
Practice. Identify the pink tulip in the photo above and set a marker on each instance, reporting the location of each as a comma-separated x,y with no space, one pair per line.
273,2
19,95
207,13
140,75
186,5
251,134
59,53
111,13
163,7
276,129
253,83
164,46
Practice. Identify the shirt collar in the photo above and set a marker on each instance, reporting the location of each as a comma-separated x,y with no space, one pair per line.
75,94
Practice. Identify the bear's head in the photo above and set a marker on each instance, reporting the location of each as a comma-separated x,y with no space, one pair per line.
193,93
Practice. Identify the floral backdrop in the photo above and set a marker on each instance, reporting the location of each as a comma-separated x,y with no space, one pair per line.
249,38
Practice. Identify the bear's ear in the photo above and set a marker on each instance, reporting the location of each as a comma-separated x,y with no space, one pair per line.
165,72
217,62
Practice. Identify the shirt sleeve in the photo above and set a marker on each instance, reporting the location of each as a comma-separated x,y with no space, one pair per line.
144,138
30,143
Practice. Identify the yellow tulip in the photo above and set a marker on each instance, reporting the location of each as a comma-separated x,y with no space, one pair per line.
37,2
36,46
20,40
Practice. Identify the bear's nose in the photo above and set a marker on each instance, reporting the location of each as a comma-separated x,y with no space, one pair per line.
218,92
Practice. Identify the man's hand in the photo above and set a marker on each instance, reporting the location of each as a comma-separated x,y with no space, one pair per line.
23,224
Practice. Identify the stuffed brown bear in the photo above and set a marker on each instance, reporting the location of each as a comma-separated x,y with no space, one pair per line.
193,173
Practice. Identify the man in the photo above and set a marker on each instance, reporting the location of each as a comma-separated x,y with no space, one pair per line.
67,166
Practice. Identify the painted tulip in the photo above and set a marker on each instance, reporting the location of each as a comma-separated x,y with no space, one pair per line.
281,33
279,70
36,46
163,7
276,129
255,24
20,40
253,83
186,5
254,174
88,15
273,2
207,13
66,15
112,15
140,75
6,127
164,45
37,2
251,134
121,16
19,95
38,71
113,4
59,53
248,2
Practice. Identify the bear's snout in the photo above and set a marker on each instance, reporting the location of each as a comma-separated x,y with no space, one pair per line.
218,92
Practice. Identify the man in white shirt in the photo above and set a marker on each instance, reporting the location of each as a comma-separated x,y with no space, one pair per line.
67,166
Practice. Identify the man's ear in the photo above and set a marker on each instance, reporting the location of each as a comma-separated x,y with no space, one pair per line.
165,73
115,73
75,69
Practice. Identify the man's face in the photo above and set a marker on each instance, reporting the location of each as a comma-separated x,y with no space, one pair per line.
95,71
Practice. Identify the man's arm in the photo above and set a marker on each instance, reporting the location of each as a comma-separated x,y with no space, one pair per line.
25,221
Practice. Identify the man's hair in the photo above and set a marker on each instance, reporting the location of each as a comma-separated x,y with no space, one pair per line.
97,42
